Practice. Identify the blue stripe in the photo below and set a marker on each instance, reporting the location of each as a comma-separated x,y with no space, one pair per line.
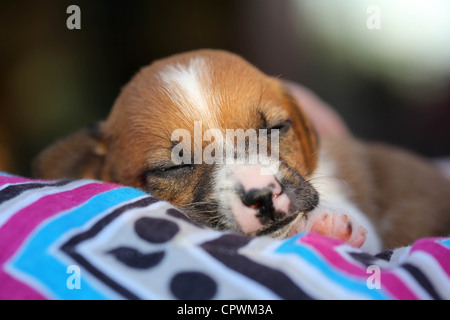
37,258
291,246
445,242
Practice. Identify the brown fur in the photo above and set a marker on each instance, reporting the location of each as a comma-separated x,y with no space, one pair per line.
137,132
403,195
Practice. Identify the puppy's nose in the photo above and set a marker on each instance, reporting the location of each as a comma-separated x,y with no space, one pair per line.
260,199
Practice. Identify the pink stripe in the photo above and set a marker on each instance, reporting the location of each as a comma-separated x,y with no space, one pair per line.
393,284
325,246
432,247
12,289
14,232
390,282
13,179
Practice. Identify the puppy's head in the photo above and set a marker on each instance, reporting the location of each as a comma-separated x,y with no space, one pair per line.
183,130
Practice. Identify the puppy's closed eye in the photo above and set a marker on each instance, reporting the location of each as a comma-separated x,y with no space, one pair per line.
282,126
278,122
170,171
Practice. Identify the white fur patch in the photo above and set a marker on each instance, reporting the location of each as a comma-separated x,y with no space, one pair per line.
334,198
190,88
225,194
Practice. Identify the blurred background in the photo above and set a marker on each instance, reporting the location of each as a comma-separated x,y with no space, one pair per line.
384,65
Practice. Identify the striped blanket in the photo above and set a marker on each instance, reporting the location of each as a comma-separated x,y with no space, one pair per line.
85,239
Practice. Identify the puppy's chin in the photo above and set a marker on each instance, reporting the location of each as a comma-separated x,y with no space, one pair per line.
281,228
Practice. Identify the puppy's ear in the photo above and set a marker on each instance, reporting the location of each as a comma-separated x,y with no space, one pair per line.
80,155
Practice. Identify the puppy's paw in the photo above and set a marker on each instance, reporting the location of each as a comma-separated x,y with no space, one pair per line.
339,226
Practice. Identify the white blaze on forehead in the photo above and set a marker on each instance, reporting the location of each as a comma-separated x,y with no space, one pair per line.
190,88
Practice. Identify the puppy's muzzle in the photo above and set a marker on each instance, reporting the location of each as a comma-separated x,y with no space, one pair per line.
261,198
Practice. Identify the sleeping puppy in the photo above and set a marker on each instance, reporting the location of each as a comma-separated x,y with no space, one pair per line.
185,129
